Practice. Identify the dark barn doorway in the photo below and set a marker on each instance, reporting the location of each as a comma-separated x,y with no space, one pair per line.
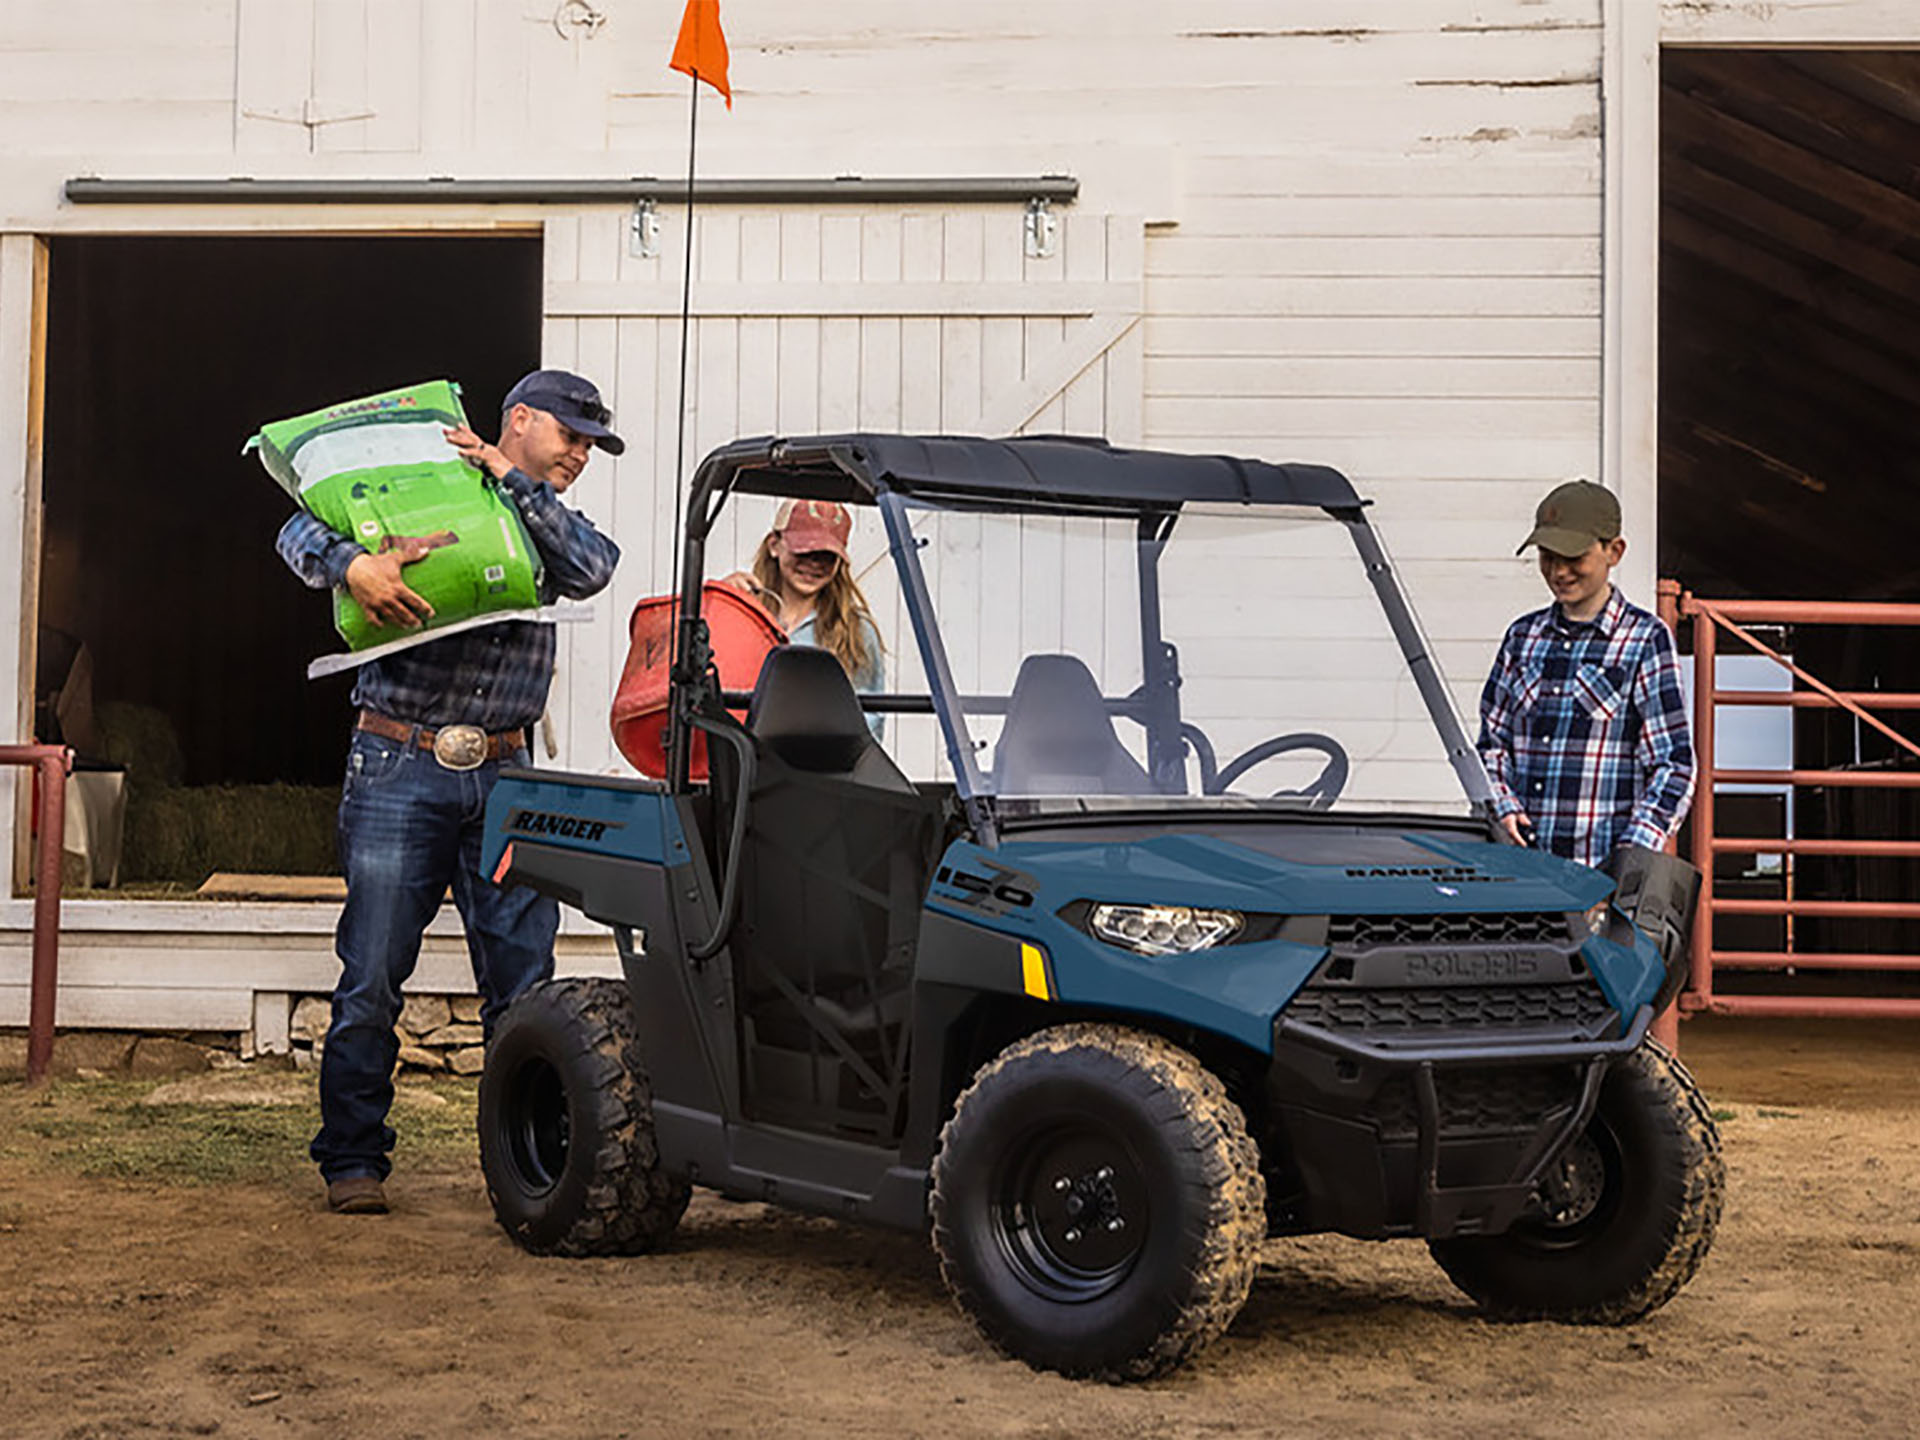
164,355
1789,385
1790,322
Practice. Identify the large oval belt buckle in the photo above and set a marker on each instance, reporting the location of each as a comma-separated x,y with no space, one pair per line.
460,747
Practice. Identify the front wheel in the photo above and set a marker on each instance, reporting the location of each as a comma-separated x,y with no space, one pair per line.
1098,1206
1624,1216
566,1126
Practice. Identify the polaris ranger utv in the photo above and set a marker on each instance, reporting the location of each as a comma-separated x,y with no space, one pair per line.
1101,1005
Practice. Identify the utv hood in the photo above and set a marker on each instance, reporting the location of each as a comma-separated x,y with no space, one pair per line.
1296,885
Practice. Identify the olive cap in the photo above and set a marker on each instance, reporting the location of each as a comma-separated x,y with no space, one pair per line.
1573,517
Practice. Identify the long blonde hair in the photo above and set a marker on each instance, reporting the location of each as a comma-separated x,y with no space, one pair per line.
842,622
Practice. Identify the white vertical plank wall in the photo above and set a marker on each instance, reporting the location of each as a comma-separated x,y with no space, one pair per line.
919,318
16,472
1360,232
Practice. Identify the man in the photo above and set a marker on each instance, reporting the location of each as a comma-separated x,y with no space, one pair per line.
1583,726
436,723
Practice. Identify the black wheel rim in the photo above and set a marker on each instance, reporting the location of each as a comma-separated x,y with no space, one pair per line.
535,1125
1580,1198
1070,1212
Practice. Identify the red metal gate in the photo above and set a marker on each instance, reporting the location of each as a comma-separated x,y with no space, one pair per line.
1708,619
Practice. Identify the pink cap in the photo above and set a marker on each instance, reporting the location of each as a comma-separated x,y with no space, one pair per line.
813,525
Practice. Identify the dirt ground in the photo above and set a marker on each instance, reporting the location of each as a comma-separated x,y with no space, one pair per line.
169,1270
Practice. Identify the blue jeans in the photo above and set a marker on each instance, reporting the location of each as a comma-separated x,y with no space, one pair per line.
409,828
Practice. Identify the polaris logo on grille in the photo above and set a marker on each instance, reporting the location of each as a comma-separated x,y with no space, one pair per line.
1445,965
565,827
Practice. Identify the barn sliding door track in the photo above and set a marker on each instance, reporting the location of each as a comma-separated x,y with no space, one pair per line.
844,189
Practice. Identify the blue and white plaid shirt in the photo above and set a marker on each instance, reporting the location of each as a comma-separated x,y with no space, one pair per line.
494,676
1583,726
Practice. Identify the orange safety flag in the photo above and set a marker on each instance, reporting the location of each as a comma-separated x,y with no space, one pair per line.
701,50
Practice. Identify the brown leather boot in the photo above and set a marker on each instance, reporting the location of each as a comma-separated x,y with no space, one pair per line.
357,1195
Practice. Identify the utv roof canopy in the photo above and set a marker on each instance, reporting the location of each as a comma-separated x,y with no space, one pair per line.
1054,472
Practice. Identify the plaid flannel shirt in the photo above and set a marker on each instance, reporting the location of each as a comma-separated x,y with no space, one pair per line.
494,676
1583,726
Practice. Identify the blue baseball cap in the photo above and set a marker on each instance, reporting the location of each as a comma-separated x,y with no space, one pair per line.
572,400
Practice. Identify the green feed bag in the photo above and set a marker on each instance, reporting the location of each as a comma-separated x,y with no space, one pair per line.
380,470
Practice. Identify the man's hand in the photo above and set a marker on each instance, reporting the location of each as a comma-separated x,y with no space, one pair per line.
1515,824
478,453
751,588
374,581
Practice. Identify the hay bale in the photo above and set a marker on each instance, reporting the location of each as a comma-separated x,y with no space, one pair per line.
143,740
266,829
161,841
184,835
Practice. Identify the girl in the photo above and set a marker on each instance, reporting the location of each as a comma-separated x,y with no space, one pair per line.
802,576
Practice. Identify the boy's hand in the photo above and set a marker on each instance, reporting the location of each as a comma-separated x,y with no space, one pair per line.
1518,826
374,581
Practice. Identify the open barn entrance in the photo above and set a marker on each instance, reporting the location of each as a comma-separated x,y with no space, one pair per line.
1790,378
164,355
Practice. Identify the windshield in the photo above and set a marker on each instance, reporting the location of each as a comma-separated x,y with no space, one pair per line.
1238,653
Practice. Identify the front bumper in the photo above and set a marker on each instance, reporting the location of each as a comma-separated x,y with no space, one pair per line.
1417,1091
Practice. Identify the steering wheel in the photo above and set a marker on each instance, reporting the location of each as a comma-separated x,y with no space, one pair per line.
1319,793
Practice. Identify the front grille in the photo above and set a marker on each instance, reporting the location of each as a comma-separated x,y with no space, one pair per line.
1369,932
1509,1100
1575,1005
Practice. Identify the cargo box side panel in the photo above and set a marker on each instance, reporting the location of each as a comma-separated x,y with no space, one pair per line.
598,843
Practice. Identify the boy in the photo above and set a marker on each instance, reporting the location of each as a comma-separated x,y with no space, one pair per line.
1583,726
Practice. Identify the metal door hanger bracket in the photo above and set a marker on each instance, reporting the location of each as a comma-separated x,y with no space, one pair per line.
1042,229
643,234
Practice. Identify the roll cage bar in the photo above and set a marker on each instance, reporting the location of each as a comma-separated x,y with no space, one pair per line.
1038,475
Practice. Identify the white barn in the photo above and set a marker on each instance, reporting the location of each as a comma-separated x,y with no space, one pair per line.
1418,240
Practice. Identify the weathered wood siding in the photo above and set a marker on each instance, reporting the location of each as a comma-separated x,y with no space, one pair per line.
1383,248
919,319
1365,232
1810,23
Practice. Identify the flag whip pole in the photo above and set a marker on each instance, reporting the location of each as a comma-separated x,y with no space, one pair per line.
679,741
686,314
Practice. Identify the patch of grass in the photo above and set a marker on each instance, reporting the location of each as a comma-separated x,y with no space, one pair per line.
99,1128
1722,1114
1766,1114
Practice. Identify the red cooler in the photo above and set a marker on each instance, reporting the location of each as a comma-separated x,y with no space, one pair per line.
741,635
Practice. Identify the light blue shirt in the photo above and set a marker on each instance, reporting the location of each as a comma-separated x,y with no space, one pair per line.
870,681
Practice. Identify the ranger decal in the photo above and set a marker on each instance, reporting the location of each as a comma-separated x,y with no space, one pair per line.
565,827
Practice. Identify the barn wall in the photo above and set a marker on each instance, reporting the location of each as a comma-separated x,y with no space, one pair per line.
1371,229
1384,248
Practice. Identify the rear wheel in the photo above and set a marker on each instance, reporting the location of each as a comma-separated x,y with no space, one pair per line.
1622,1219
1098,1206
566,1126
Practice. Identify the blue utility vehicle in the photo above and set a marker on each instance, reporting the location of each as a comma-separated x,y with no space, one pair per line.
1117,989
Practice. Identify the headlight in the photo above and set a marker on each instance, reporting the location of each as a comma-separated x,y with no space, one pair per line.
1596,917
1163,929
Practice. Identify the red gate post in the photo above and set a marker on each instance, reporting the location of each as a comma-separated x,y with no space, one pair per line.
1699,992
51,764
1666,1025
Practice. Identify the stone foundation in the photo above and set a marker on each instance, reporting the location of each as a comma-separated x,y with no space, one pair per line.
90,1054
439,1035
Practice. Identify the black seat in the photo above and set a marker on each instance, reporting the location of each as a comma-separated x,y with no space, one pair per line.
805,712
1058,738
834,865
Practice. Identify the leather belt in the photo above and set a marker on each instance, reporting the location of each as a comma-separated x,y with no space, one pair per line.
457,747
